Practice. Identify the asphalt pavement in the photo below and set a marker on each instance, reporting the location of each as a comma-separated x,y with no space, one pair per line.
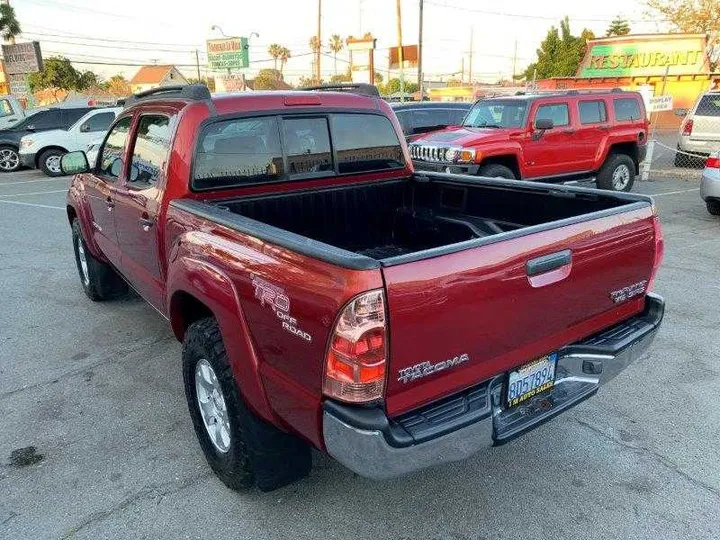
96,441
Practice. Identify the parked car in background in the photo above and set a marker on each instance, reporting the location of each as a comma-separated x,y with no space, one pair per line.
44,150
554,137
419,117
38,121
327,296
710,184
700,131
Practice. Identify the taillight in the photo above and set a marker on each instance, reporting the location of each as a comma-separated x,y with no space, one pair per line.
713,162
687,127
357,352
659,252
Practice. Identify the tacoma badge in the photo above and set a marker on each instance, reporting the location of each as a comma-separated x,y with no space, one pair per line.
423,369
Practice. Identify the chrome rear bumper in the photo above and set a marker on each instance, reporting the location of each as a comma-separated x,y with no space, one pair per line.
452,429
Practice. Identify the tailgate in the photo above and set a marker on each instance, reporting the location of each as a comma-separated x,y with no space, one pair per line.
476,313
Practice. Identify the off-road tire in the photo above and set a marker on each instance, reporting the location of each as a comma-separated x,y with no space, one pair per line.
102,282
612,163
259,454
42,161
713,206
495,170
12,164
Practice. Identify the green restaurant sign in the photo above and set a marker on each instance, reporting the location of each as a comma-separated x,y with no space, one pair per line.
680,54
228,53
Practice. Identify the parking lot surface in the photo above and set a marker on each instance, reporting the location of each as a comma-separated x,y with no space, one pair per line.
96,441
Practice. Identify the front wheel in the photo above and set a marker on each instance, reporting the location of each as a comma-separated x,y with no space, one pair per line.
617,173
241,449
713,207
9,159
495,170
98,279
49,162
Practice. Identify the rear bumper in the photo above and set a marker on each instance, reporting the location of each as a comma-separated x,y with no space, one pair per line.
28,160
372,445
710,184
699,147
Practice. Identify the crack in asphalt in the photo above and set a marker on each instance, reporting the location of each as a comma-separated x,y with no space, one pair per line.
146,493
104,360
659,457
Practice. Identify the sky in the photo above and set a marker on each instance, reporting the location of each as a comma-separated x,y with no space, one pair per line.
102,35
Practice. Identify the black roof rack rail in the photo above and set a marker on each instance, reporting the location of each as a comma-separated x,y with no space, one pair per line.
363,89
194,92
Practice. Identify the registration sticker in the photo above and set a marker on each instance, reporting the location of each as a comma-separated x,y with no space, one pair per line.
531,379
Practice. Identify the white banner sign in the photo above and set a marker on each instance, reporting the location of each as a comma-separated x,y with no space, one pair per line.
660,103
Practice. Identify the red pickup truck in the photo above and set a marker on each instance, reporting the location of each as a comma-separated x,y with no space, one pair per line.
327,296
558,137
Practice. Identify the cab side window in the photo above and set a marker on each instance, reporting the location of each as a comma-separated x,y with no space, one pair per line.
5,108
557,112
98,122
111,154
152,146
592,112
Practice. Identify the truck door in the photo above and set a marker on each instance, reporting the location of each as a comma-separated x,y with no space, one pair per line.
138,206
102,186
551,153
592,130
10,112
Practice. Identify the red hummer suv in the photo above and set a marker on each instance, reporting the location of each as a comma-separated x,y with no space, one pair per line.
560,137
326,296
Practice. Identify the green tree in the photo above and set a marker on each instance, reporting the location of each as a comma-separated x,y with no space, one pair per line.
9,25
379,78
58,74
560,53
341,77
618,27
284,57
309,81
393,86
692,16
314,44
268,79
117,85
275,50
336,45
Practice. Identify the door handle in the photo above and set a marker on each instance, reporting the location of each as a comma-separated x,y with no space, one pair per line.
110,204
569,131
547,263
146,223
604,128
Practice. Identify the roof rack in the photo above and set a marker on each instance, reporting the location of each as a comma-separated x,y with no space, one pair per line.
363,89
195,92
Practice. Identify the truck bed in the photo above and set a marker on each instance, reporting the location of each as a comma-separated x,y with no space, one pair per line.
402,220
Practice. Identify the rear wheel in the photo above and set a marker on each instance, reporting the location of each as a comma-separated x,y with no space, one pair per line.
617,173
98,279
49,162
241,449
495,170
713,206
9,159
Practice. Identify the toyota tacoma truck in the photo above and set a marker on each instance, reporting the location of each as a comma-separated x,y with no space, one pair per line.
328,296
556,137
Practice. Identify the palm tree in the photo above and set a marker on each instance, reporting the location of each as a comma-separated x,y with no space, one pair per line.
336,45
314,44
275,50
9,25
284,56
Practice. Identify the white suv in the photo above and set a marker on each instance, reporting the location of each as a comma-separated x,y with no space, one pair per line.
700,130
43,150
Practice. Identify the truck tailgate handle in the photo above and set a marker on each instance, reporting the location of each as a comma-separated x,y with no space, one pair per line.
547,263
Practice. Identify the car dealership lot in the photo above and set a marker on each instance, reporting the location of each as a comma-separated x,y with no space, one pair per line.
96,389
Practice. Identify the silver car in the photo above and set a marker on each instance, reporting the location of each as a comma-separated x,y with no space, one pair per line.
710,184
700,129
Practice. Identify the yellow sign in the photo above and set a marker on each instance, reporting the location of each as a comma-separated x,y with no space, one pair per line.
633,56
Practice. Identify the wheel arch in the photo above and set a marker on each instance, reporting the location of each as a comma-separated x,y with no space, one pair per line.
628,148
510,161
40,152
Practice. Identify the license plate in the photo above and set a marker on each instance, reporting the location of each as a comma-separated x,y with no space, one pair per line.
531,379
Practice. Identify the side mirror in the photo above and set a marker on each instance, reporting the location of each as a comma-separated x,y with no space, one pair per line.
74,163
84,128
680,112
543,124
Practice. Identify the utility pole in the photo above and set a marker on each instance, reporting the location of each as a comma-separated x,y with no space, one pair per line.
420,73
197,63
514,62
470,59
319,44
400,51
462,70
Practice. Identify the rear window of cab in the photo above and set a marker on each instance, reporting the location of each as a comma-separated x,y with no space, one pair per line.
255,150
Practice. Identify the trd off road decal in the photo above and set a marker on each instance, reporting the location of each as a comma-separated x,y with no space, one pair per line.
275,297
